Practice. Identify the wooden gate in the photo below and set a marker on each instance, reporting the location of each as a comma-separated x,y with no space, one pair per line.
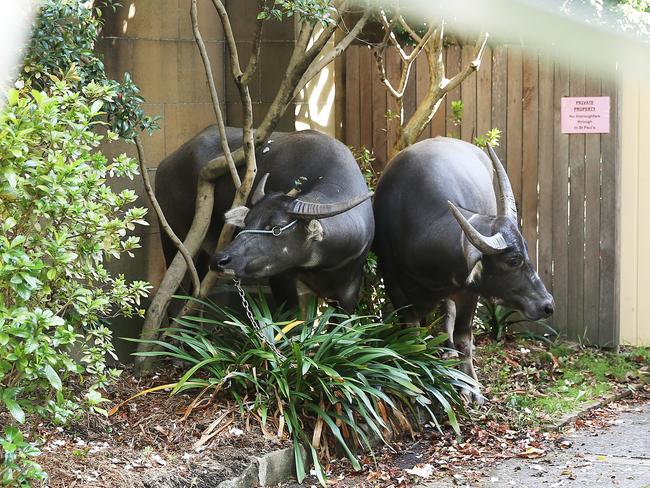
565,185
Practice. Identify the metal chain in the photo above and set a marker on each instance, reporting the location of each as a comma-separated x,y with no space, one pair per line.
251,318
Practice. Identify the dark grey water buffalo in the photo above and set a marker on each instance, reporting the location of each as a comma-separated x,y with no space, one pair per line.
318,236
447,232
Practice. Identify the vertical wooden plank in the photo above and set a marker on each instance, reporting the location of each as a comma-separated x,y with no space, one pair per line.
468,96
560,203
410,96
545,172
500,97
438,123
377,113
366,75
391,111
576,214
422,87
352,96
608,335
514,146
529,153
484,94
592,223
452,67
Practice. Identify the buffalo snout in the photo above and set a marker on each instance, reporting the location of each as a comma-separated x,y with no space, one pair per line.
549,307
220,261
538,310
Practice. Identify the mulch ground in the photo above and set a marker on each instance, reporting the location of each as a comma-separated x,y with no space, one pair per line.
148,442
152,442
494,432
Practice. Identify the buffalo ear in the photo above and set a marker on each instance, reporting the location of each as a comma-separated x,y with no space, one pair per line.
236,216
314,230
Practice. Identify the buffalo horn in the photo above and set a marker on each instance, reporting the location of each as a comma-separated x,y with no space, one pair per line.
323,210
259,190
506,205
486,244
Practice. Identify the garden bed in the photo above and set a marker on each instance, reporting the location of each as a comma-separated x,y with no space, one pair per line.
529,387
146,443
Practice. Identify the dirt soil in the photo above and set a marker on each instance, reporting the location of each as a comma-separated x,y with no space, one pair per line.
148,444
494,432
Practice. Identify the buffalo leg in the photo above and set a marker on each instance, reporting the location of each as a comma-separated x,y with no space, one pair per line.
348,295
463,339
449,309
406,310
283,288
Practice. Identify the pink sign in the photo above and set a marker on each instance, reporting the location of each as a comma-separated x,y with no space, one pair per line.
585,115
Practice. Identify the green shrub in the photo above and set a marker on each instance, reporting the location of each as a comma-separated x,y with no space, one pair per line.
59,221
63,42
344,377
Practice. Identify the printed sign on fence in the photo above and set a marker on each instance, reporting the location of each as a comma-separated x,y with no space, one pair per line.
585,115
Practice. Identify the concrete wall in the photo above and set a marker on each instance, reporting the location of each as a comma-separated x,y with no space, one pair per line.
153,41
635,209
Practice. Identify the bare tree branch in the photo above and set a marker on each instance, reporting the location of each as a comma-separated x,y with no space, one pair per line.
244,189
409,30
161,217
321,63
324,37
230,39
255,52
432,44
176,270
449,85
388,27
301,59
213,95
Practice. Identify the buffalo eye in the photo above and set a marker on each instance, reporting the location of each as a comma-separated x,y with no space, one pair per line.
515,261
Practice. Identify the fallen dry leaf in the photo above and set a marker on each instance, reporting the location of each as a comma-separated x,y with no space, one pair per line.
422,470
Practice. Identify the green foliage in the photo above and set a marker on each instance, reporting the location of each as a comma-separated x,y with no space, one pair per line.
373,299
491,137
456,116
18,469
498,321
63,46
314,11
343,377
640,5
365,158
566,375
59,221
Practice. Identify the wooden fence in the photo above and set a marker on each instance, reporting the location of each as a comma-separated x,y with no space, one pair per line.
565,185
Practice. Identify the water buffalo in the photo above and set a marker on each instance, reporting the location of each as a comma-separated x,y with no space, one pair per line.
318,236
446,232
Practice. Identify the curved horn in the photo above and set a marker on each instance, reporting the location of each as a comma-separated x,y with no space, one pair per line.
486,244
322,210
506,205
259,190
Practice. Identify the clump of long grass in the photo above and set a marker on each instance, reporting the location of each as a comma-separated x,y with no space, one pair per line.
499,321
330,378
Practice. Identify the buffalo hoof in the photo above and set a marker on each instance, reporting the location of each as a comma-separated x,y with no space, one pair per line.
472,397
